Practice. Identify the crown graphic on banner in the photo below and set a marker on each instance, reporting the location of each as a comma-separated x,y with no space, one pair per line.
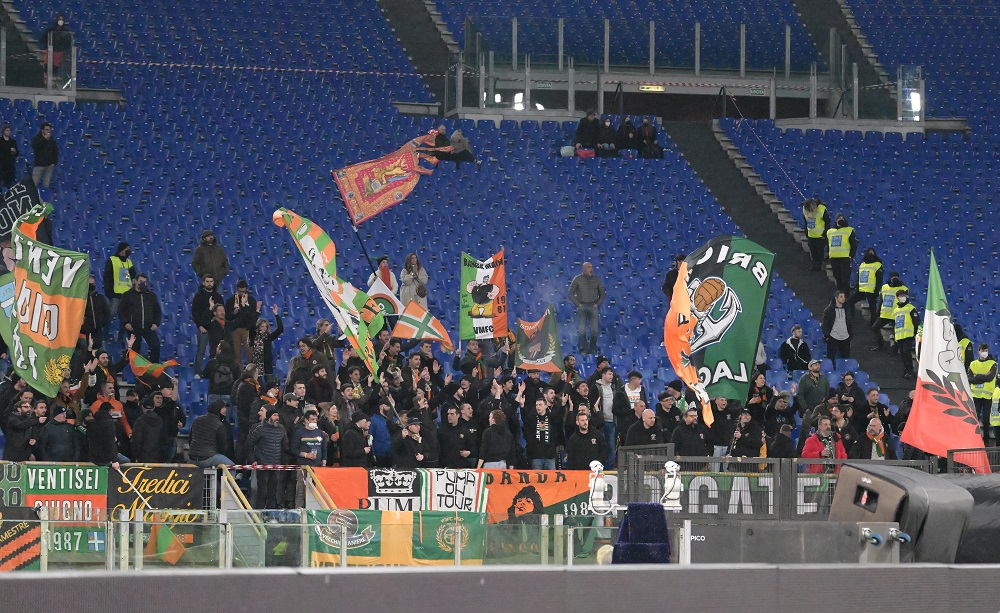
389,481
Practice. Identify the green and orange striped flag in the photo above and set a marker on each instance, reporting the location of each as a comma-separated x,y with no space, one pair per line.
358,316
141,366
42,312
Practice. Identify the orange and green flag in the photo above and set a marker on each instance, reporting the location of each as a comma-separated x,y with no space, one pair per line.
164,543
42,304
141,366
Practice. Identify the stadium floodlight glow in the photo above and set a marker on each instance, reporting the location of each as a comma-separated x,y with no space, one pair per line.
518,97
497,98
539,106
915,102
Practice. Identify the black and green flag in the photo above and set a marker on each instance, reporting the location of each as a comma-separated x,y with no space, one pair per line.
728,280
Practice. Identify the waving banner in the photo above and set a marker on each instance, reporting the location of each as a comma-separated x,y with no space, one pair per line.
42,313
371,187
538,346
943,416
728,282
349,307
483,302
417,322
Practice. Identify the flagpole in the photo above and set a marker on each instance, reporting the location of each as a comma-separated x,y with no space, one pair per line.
360,242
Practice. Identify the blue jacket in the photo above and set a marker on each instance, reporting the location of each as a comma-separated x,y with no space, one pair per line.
381,438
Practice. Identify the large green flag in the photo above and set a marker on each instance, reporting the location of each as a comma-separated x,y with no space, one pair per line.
538,346
728,280
349,307
42,304
396,538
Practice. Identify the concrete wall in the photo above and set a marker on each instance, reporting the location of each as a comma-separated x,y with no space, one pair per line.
729,589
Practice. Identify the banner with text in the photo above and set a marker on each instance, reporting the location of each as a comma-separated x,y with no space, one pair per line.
483,298
384,489
20,539
176,487
396,538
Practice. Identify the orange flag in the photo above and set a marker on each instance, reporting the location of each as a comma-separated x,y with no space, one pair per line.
677,329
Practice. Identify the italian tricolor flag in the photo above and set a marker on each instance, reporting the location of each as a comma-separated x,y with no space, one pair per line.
943,416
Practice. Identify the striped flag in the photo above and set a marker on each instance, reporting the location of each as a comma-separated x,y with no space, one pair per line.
320,255
384,297
417,322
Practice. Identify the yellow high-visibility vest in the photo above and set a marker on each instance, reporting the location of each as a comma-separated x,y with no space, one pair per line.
889,300
903,322
122,277
815,226
866,276
981,367
839,241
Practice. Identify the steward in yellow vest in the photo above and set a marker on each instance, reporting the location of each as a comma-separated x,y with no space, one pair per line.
843,244
869,281
905,330
983,380
887,305
817,219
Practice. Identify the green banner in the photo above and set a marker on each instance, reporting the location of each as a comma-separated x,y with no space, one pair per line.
483,298
729,280
396,538
42,304
11,484
538,346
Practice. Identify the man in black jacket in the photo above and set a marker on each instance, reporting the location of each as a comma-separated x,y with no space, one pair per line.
543,433
748,436
8,158
19,428
96,315
417,445
267,445
794,352
668,414
202,305
838,326
691,437
147,434
57,441
140,314
211,438
455,441
781,446
645,432
241,313
46,156
354,447
101,442
585,445
587,130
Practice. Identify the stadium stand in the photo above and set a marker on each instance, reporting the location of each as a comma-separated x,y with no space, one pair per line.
537,27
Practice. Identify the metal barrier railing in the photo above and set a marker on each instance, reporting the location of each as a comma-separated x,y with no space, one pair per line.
978,460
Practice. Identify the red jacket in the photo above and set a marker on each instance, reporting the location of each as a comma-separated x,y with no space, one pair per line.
814,447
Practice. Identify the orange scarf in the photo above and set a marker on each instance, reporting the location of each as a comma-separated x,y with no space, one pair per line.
879,441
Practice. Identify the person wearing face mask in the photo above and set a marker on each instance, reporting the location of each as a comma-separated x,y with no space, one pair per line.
60,39
210,259
870,273
140,314
119,272
308,442
96,316
646,141
982,377
887,304
202,312
905,330
626,134
842,242
606,140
